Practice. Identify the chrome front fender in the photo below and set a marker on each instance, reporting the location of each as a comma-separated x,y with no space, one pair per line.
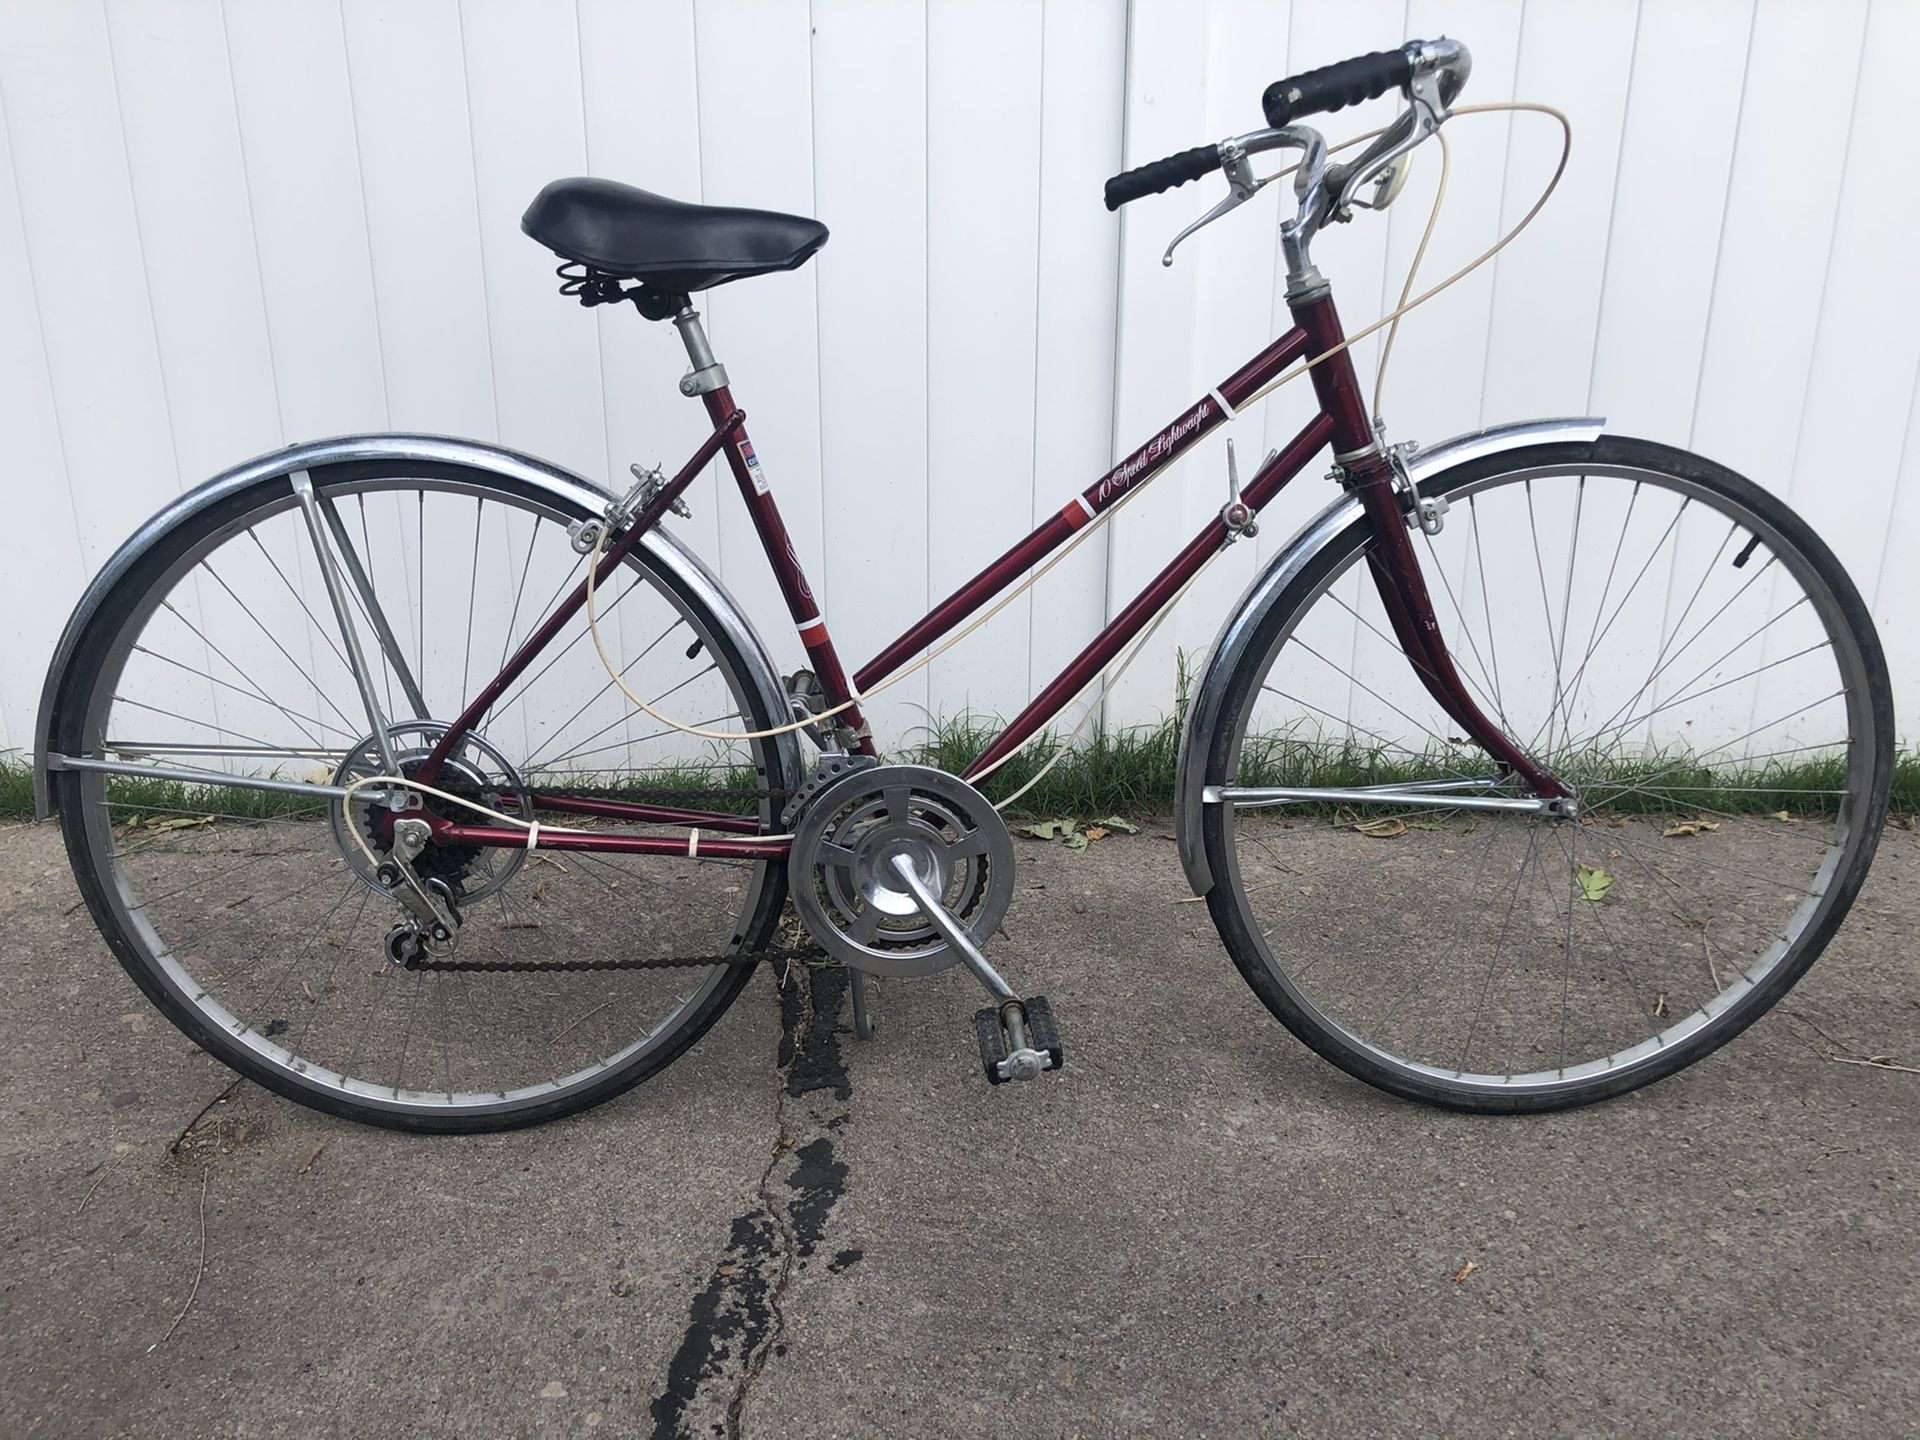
569,491
1236,636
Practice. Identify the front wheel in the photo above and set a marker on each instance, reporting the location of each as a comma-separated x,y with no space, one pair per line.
1671,642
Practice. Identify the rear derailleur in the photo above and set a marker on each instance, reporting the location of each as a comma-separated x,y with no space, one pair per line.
432,904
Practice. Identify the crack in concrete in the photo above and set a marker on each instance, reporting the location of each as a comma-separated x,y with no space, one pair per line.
738,1320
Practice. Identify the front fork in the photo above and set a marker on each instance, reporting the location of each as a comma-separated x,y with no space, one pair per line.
1366,470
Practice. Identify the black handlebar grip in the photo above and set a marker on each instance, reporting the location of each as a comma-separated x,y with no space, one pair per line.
1333,86
1152,178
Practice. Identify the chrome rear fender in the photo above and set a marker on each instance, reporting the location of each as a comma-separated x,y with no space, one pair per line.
571,494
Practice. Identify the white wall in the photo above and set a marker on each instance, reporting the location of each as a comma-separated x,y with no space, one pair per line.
224,229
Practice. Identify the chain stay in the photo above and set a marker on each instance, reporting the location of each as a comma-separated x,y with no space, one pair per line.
805,953
650,797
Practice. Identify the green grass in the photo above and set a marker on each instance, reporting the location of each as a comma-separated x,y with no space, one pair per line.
1116,771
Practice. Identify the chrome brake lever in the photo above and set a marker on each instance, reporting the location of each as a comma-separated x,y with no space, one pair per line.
1241,187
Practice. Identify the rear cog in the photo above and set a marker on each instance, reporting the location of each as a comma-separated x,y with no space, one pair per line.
843,883
476,772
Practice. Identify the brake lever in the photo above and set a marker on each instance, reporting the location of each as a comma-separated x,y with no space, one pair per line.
1241,187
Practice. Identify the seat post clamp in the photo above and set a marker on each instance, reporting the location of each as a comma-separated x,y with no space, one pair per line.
708,374
704,380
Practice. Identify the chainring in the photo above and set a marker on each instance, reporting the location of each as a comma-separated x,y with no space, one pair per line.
855,823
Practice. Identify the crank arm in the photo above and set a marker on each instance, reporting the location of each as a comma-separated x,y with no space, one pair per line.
955,934
1008,1031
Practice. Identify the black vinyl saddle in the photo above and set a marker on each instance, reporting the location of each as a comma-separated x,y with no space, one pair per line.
670,245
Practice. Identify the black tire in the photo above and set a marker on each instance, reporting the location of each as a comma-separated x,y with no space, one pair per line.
1220,751
93,652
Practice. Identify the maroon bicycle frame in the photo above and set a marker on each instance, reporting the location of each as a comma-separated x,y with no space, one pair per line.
1341,421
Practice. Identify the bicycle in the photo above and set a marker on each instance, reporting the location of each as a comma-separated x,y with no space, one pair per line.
1624,714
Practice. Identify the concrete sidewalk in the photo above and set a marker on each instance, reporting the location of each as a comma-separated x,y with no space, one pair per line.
1199,1228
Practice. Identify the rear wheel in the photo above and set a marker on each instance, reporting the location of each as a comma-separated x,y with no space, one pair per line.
1660,634
254,919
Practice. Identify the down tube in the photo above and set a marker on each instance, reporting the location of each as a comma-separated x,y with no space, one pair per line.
1267,483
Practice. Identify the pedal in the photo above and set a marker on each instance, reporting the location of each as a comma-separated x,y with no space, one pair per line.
1018,1040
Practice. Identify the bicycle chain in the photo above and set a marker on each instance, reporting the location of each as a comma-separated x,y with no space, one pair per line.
662,962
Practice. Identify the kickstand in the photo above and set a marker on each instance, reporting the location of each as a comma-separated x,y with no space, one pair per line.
862,1016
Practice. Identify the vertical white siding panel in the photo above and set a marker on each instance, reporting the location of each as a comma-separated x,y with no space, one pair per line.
983,225
1868,341
756,149
1669,202
1084,64
409,94
196,229
1775,263
1439,361
523,80
869,99
43,575
303,177
1546,286
1854,426
83,241
1166,112
1777,237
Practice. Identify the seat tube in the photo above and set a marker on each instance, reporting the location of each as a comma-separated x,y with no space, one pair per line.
708,380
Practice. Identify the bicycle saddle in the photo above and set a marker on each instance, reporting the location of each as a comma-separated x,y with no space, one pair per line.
671,245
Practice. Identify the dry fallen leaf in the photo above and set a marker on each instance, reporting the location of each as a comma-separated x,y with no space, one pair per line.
1384,829
1098,832
1465,1270
540,891
1681,828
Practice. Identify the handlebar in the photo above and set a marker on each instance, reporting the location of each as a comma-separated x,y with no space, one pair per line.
1158,175
1413,68
1333,87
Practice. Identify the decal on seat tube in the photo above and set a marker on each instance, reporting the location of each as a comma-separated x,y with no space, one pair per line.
752,462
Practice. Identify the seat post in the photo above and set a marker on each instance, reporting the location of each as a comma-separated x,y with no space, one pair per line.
708,374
